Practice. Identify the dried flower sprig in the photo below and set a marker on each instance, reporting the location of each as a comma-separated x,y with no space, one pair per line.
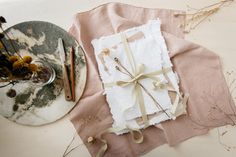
15,68
3,34
230,79
196,18
68,150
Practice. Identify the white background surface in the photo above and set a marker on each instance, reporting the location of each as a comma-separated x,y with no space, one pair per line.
218,34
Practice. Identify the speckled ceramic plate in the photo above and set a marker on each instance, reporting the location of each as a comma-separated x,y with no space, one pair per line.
35,105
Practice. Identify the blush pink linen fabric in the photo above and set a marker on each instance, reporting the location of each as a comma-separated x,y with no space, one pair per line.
200,75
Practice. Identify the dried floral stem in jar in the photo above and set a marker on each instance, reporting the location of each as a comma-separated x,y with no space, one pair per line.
3,20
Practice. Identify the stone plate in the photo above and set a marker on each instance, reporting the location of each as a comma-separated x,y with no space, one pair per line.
34,105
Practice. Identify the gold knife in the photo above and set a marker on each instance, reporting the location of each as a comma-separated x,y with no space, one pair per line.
67,88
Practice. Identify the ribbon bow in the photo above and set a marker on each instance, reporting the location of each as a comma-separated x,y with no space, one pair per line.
136,75
141,75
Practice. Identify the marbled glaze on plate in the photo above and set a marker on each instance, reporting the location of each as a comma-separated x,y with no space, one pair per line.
41,105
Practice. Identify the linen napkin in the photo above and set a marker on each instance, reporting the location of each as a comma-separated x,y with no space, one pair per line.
199,70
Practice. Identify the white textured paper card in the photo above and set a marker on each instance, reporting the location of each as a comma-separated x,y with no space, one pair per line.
149,51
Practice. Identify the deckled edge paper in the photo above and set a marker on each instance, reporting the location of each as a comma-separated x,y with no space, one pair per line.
114,94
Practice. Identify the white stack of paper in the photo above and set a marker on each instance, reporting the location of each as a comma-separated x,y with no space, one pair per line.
147,48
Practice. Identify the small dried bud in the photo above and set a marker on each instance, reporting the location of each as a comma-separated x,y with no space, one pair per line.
27,59
117,68
18,64
13,59
116,59
91,139
2,19
33,67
